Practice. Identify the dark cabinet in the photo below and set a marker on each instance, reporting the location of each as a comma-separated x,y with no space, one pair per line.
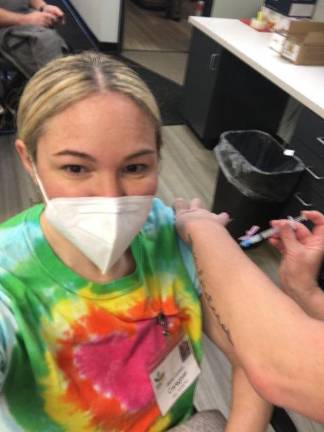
308,144
200,84
223,93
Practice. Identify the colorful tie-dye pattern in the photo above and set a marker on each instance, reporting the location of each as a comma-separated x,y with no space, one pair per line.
75,355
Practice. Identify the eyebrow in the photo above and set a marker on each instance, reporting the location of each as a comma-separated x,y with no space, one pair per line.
87,156
76,154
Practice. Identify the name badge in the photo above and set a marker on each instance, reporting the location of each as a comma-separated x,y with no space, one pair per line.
171,378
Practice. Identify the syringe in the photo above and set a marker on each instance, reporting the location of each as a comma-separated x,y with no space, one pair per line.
263,235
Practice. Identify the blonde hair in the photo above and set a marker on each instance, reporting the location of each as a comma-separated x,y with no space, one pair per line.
68,80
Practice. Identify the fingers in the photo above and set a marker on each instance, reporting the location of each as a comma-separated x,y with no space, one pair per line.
196,204
54,10
222,218
183,204
314,216
46,19
180,204
50,19
59,12
301,231
288,237
195,207
277,243
317,218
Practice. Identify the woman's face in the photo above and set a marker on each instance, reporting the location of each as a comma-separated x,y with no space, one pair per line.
101,146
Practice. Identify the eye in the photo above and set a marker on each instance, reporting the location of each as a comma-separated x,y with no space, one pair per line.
74,169
135,168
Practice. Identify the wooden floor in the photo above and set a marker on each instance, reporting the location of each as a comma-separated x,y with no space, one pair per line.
188,170
170,64
150,31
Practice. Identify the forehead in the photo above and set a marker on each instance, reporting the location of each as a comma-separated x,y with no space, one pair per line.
107,105
99,123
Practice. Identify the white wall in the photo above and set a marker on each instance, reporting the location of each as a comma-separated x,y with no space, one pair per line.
319,11
235,8
102,17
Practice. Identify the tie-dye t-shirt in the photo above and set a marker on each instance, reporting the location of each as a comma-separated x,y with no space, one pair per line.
76,355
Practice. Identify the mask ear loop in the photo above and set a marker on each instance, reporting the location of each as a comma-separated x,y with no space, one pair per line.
39,183
48,202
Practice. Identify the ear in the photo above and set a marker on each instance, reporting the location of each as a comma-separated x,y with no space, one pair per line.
25,157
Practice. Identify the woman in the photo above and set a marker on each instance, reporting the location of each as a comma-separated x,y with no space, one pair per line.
99,301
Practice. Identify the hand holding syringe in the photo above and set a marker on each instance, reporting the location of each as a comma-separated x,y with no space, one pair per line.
263,235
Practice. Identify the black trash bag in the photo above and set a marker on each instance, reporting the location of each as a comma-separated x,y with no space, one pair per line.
254,163
255,179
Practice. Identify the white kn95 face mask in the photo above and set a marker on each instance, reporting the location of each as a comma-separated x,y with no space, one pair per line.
102,228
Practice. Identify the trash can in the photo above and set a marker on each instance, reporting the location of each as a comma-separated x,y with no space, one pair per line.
255,178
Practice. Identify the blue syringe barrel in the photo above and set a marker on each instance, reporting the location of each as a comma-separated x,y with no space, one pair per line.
263,235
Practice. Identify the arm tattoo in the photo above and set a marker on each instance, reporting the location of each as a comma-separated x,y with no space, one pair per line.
208,297
211,306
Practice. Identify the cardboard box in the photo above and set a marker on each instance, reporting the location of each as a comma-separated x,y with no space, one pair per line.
292,8
277,41
302,42
293,29
305,49
303,27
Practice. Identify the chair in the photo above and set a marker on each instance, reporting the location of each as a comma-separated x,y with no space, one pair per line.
12,83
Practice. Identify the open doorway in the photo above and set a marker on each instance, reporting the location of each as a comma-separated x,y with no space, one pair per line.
156,41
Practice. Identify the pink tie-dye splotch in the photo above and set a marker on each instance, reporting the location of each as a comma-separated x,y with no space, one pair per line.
119,365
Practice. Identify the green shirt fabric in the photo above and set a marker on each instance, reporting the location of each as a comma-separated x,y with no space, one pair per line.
76,355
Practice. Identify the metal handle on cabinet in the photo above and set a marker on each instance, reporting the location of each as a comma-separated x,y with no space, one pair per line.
212,62
320,140
304,203
316,177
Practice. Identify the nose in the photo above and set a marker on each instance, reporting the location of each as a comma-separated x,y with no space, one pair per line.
110,186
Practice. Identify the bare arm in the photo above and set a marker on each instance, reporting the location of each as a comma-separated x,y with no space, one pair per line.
280,347
8,18
41,19
55,11
248,412
49,15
